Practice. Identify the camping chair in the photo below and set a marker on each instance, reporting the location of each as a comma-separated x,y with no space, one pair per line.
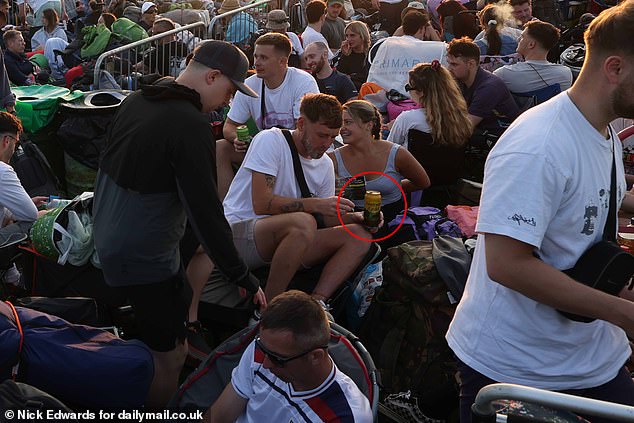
444,165
484,409
201,388
528,99
626,133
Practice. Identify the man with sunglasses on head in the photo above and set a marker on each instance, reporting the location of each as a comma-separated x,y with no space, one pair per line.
287,375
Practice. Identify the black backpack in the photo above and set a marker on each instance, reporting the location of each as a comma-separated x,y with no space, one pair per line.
34,170
27,399
404,330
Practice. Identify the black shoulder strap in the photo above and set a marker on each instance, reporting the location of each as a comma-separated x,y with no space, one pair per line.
297,165
538,74
263,105
609,230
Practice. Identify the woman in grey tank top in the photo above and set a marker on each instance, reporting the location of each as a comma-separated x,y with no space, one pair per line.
365,151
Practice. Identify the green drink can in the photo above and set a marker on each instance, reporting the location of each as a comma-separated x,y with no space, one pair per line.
243,134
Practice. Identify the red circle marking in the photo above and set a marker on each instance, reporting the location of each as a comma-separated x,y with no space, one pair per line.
371,239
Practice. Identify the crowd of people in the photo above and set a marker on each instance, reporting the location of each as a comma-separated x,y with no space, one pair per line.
169,210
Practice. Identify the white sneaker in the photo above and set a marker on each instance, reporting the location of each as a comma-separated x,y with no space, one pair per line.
12,276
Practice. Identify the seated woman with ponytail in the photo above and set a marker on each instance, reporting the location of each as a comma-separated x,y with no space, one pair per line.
496,39
439,131
365,151
443,112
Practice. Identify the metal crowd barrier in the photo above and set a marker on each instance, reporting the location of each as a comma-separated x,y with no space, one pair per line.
163,53
236,27
483,410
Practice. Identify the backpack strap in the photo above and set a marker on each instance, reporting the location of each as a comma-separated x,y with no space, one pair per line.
297,165
299,175
14,316
391,346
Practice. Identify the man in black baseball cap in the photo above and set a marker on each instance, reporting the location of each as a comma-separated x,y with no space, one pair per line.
226,58
157,174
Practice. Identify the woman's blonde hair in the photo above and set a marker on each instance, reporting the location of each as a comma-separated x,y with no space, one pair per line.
445,107
361,29
365,112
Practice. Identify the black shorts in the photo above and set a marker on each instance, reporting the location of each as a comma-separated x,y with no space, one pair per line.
160,311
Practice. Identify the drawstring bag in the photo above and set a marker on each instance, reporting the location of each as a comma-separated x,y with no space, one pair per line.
64,234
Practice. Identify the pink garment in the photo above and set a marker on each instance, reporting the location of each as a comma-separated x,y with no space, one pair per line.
395,109
465,217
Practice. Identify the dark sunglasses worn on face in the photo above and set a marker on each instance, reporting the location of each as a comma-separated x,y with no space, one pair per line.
409,88
279,361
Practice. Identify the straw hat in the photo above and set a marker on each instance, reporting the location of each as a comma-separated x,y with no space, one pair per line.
228,6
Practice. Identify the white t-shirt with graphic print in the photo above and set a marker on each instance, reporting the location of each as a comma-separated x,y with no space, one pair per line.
281,104
270,154
271,399
547,184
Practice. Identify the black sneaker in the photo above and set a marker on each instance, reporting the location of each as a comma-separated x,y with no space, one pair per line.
198,348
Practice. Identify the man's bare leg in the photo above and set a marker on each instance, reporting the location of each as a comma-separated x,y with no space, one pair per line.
198,270
284,239
226,155
342,254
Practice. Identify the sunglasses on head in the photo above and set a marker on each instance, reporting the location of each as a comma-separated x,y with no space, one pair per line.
409,88
280,361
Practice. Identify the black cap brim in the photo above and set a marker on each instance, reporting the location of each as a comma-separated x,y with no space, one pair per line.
244,89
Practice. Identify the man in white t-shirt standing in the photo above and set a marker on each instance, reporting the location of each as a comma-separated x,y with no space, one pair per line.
280,90
536,72
316,16
286,373
546,193
273,224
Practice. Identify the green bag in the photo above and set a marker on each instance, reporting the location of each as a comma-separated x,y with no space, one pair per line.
96,39
36,105
39,60
179,6
128,30
52,232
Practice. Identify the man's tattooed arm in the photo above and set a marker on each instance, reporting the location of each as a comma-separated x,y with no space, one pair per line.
295,206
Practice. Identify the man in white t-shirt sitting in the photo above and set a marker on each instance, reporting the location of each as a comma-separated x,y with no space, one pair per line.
536,72
545,202
280,89
17,210
286,373
271,222
316,16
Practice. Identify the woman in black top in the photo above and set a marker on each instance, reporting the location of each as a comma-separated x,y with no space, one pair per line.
353,56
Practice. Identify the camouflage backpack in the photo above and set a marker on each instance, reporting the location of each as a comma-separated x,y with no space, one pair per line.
404,330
